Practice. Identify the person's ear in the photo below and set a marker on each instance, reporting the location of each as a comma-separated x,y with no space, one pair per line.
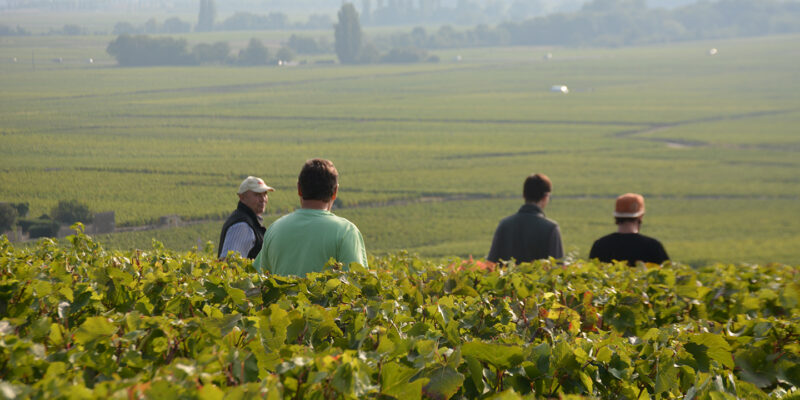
335,191
299,191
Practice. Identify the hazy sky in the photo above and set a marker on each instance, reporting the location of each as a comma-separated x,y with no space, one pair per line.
299,6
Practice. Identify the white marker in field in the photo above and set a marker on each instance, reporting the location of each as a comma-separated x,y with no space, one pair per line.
712,52
559,89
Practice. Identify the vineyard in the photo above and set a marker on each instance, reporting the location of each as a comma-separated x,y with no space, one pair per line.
431,155
79,321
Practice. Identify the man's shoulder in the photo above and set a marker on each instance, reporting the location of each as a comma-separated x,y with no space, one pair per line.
522,217
281,221
328,219
613,238
239,226
236,216
607,238
343,222
650,240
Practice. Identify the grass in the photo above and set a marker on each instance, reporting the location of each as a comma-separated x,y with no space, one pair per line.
431,156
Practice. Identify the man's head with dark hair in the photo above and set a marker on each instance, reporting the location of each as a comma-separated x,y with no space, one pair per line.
536,187
318,180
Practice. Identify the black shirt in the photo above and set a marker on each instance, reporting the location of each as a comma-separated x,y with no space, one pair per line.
526,236
630,247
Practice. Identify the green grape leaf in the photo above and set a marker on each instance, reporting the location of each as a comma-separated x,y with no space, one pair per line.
713,346
501,356
396,381
94,329
443,383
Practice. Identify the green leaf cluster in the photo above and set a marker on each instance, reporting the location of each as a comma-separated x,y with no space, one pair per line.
78,321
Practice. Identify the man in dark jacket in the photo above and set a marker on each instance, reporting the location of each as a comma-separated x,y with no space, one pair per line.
627,244
528,235
243,231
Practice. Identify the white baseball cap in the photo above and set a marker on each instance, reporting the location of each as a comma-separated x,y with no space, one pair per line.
254,184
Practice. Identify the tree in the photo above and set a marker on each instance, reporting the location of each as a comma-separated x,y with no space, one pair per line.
151,26
206,16
405,55
22,209
72,30
124,28
176,25
368,54
303,45
348,35
211,53
143,50
255,53
277,20
71,211
8,215
419,37
284,54
42,227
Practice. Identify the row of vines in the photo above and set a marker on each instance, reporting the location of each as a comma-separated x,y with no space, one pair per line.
78,321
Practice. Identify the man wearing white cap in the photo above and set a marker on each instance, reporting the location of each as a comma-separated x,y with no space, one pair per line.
243,231
627,244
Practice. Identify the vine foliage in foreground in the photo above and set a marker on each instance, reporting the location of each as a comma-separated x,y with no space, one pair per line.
78,321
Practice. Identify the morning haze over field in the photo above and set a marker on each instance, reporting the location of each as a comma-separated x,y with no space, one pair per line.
434,113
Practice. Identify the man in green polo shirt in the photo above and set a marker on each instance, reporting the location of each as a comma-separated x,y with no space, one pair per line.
306,239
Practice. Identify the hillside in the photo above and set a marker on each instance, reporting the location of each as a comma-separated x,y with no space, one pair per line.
80,321
431,155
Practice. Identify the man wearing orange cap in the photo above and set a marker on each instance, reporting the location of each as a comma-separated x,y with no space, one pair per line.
627,244
243,231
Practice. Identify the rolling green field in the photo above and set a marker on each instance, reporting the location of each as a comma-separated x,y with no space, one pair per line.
431,156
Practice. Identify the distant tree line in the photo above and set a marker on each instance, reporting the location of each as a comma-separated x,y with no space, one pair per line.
462,12
143,50
9,212
69,30
599,22
240,21
626,22
152,26
66,212
8,31
352,48
245,21
617,23
308,45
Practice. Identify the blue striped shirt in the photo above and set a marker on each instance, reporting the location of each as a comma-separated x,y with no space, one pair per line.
239,238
